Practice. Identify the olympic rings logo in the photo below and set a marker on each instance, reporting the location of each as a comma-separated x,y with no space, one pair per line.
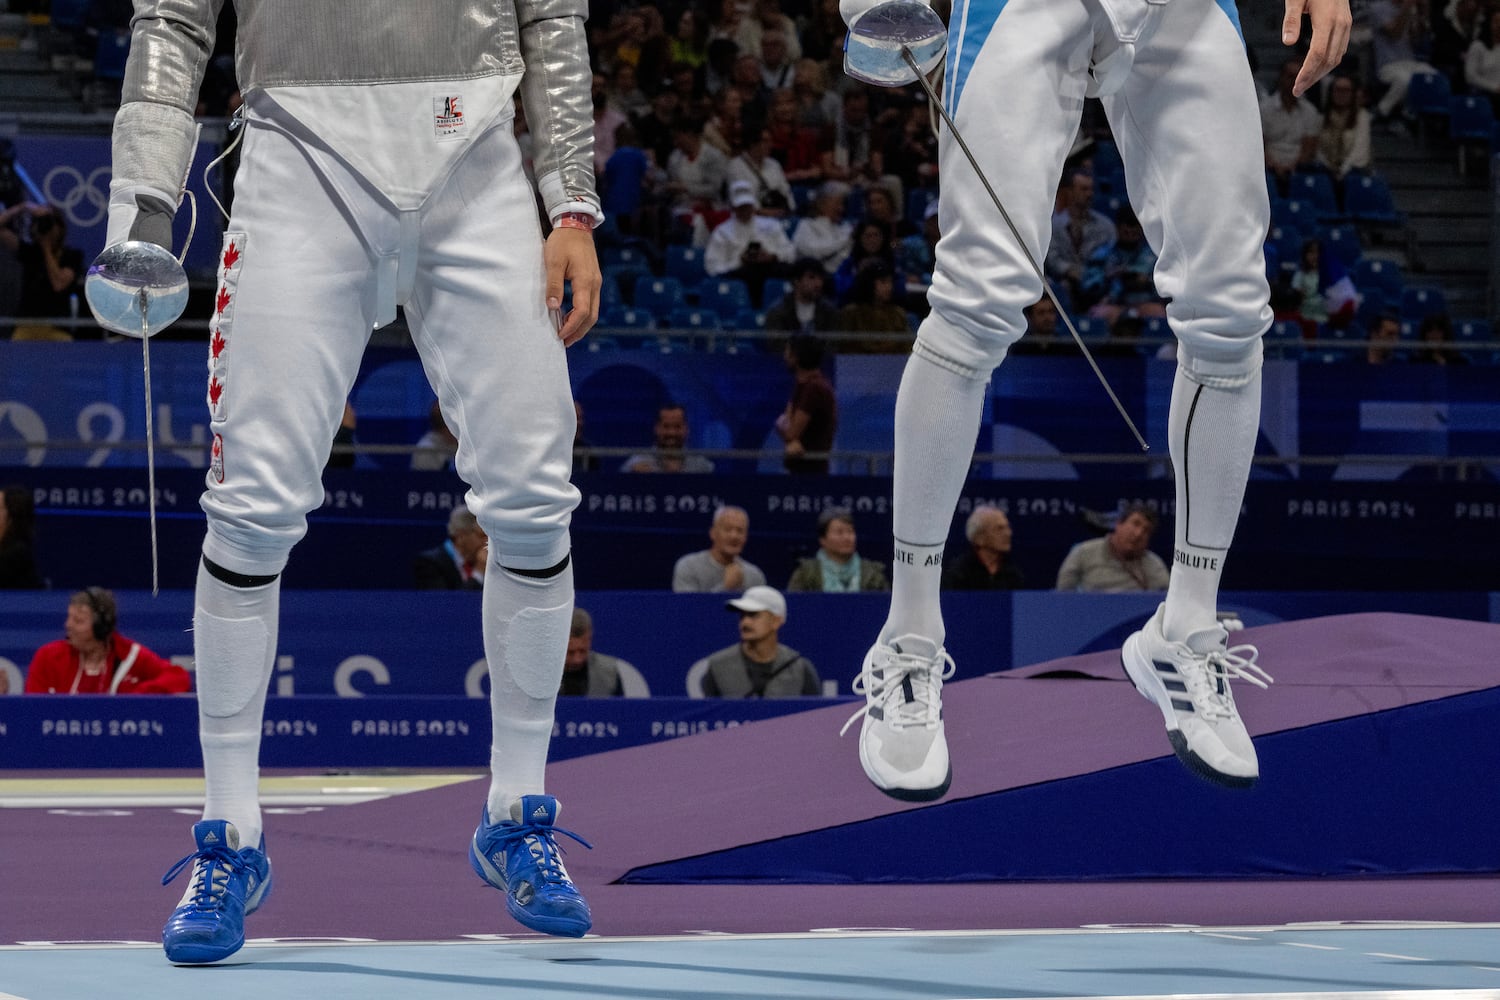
67,188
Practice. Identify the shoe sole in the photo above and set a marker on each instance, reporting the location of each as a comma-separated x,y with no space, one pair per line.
905,794
201,954
556,926
1129,653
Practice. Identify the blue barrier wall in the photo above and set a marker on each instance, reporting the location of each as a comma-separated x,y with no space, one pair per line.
357,643
630,529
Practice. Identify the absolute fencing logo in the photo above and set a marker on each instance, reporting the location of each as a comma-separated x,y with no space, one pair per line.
448,116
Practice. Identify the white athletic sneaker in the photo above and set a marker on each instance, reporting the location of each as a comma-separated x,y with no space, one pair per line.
901,742
1189,682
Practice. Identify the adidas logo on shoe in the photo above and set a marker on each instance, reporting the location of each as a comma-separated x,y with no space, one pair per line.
540,812
210,838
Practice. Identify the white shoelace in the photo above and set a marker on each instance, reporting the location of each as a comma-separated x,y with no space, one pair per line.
889,691
1219,667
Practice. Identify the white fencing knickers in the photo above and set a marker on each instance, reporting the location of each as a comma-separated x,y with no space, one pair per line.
1188,128
348,201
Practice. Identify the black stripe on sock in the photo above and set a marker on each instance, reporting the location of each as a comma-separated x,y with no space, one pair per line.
241,580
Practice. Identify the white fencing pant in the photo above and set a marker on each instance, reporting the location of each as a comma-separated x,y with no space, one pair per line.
313,257
1188,128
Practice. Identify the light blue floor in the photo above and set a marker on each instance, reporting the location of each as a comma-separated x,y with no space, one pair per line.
1406,962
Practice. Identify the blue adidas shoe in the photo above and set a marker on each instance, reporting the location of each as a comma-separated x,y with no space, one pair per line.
521,858
228,883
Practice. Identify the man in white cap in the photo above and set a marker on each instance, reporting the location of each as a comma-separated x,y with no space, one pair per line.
747,246
758,666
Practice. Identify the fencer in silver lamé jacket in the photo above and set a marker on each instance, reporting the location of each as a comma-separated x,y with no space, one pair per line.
293,42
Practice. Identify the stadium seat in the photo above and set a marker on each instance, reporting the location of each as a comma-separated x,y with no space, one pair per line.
624,256
626,318
723,296
1342,242
684,318
1091,329
1429,95
1284,340
1287,242
1367,199
1381,277
658,296
773,291
624,277
1476,331
1315,188
1419,302
685,263
110,55
1471,118
1287,213
748,319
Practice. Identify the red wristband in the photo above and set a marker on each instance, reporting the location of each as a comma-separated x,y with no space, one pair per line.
575,220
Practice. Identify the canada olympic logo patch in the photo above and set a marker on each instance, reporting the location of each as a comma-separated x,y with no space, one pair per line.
216,461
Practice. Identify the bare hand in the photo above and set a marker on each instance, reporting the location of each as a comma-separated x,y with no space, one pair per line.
734,576
1331,23
569,256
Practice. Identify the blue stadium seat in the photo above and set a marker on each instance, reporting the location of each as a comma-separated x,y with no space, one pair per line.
1367,198
1342,242
1287,242
1476,331
624,256
1315,188
1090,329
1420,301
626,318
1471,118
748,319
685,263
110,55
624,277
723,296
684,318
1429,95
916,205
610,294
1284,340
1287,213
658,296
1379,276
773,291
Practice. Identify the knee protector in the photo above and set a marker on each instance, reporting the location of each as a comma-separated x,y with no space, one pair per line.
230,676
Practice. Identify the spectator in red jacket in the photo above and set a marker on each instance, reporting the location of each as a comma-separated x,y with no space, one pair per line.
95,659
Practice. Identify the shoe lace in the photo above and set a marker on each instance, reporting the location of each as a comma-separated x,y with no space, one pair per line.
212,869
902,674
542,846
1209,687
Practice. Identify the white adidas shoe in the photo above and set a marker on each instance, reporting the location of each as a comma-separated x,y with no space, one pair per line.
1189,682
901,741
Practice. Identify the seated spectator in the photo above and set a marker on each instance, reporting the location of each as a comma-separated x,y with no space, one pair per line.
811,417
1125,274
1327,293
1078,233
459,563
797,147
626,182
854,157
838,568
758,666
1041,335
436,449
987,565
1384,336
872,309
747,246
695,170
817,106
607,122
1344,140
758,170
911,148
586,673
1452,34
725,130
1482,60
776,65
805,309
1401,31
826,235
623,93
96,659
1289,126
719,568
1120,562
1435,332
689,43
17,537
670,435
872,241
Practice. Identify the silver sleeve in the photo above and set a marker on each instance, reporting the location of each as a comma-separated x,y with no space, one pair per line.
556,91
170,42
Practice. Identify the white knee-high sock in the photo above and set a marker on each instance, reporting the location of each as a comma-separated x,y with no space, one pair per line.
937,421
234,649
526,623
1212,435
